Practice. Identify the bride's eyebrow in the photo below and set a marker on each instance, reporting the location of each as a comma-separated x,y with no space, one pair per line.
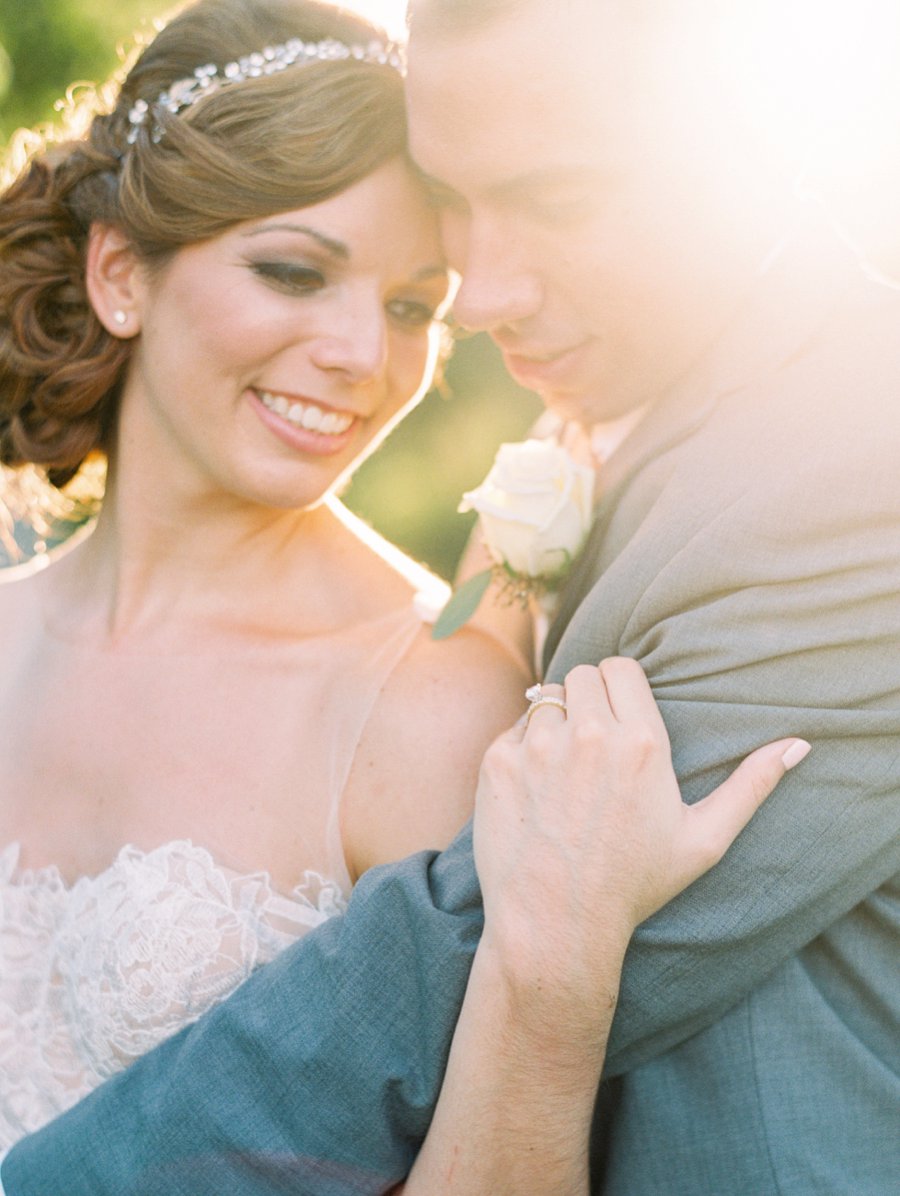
336,248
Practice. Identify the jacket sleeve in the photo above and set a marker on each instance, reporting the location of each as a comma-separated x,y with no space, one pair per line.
779,615
318,1076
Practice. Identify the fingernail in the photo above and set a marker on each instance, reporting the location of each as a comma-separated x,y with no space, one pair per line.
798,751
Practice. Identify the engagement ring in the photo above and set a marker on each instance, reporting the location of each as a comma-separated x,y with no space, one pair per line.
536,697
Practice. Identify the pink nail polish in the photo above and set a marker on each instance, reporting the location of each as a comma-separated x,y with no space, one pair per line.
798,751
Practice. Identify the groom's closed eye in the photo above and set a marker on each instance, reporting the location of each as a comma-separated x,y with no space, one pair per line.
555,196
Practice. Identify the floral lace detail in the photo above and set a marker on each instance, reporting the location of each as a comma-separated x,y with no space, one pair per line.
96,974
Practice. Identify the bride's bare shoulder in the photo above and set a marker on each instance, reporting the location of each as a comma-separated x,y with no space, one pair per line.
414,777
21,590
20,582
23,584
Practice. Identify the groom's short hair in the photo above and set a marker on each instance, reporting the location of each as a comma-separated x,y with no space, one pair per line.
449,16
446,15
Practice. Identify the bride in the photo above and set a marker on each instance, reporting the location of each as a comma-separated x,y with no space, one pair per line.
221,706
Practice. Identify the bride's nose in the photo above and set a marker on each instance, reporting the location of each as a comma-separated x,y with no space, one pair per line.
355,341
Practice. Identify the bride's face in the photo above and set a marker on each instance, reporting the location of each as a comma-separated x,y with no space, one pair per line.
271,358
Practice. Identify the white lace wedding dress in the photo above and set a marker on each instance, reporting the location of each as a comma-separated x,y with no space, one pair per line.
95,973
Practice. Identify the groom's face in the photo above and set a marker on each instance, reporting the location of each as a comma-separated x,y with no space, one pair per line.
587,198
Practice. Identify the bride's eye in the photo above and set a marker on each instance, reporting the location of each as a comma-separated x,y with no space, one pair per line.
289,276
412,313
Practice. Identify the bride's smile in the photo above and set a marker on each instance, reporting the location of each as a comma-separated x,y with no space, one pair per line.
304,425
306,414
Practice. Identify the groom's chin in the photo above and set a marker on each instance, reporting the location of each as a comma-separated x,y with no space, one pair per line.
587,407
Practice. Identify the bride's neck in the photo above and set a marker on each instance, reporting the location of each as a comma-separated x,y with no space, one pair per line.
165,557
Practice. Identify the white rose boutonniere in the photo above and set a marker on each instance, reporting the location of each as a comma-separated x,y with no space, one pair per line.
536,508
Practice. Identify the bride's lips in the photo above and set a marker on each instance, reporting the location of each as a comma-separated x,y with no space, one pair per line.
304,424
540,370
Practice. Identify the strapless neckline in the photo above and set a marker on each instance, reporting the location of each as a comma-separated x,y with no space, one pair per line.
95,973
313,890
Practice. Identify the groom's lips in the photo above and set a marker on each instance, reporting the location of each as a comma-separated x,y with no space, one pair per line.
539,370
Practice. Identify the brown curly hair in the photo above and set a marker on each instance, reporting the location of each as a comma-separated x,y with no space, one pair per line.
271,144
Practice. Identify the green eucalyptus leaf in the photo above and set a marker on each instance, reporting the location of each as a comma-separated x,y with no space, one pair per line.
462,605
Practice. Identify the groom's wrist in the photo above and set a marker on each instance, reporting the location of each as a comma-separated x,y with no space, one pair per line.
558,1007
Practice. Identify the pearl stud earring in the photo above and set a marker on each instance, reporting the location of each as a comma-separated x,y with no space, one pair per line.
120,317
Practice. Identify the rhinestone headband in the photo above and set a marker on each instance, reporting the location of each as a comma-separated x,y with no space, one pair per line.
208,79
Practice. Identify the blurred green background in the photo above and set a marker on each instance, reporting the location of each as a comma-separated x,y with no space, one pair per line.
410,489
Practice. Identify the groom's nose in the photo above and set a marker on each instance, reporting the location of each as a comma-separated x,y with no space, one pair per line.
498,286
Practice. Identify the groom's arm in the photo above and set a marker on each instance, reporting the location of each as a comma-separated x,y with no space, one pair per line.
318,1076
829,841
781,616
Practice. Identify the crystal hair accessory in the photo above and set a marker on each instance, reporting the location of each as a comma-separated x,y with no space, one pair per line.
206,80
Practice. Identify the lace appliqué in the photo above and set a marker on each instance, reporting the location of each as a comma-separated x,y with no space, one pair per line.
96,974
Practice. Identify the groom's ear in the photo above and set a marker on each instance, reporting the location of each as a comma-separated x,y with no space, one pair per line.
115,281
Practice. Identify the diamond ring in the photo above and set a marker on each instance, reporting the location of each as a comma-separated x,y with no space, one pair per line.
536,697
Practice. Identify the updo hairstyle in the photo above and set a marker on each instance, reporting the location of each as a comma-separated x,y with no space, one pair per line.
267,145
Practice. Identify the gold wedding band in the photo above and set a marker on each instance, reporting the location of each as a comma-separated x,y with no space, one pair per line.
557,702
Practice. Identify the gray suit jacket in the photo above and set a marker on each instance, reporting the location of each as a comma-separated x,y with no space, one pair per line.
748,554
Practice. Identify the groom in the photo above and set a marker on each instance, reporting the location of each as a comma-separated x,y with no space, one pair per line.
622,243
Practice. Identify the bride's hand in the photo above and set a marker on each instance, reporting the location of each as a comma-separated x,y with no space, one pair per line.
580,829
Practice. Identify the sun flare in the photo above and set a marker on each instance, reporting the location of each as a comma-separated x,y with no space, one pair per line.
810,69
818,82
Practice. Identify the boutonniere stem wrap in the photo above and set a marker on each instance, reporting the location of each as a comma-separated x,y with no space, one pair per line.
535,508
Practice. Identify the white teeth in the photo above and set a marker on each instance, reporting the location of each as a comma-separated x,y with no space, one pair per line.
307,415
